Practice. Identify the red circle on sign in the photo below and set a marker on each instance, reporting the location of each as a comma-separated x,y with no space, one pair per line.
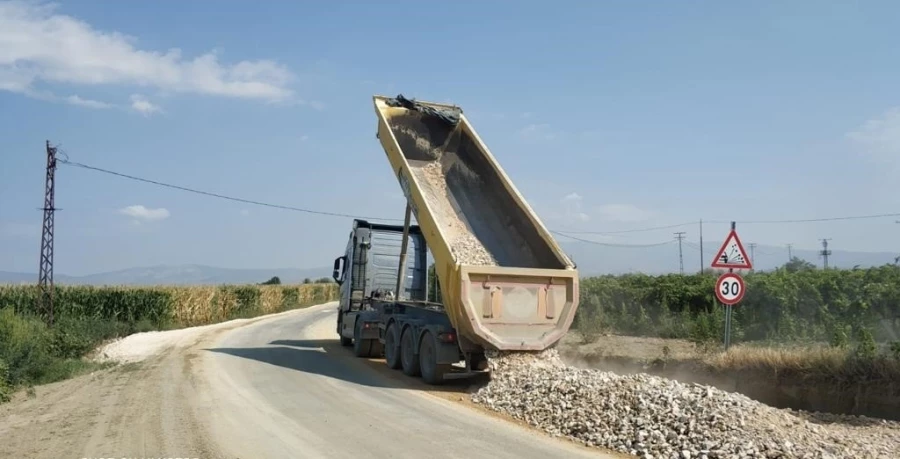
730,288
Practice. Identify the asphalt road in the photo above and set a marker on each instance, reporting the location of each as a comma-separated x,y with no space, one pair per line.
314,397
271,388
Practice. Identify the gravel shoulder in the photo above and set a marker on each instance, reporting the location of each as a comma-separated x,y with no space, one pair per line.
268,387
600,395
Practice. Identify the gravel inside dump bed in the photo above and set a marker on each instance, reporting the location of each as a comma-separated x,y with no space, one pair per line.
654,417
465,246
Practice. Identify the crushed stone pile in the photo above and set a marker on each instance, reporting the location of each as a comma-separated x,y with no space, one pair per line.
467,248
654,417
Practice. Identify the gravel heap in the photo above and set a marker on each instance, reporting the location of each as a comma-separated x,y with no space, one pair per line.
467,248
654,417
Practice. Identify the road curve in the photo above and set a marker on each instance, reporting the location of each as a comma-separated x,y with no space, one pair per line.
270,387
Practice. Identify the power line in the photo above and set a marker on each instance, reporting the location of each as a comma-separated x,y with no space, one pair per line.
68,162
45,276
638,230
807,220
825,252
278,206
752,251
701,245
680,236
678,225
216,195
606,244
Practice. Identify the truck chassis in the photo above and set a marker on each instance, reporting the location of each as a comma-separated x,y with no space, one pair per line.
415,337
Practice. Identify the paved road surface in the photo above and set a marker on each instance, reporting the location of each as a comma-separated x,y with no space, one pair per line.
276,387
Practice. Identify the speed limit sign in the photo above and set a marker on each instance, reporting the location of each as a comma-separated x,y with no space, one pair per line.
730,288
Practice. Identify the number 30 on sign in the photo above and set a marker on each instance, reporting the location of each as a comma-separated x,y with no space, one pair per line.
730,288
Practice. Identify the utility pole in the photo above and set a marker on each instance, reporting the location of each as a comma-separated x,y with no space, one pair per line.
701,246
825,252
44,304
752,247
790,254
680,235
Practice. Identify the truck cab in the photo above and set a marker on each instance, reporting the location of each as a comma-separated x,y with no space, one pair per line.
368,271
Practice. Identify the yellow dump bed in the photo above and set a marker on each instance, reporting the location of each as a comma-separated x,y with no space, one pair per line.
506,284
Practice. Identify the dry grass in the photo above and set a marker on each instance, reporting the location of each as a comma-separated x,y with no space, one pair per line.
197,305
193,305
811,362
271,299
813,358
818,362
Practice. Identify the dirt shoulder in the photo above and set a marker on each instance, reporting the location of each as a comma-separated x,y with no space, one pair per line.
142,408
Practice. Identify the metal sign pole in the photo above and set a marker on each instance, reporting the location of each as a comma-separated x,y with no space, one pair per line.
730,287
728,311
727,326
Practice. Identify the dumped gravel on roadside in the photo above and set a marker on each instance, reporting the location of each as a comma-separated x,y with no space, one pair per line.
653,417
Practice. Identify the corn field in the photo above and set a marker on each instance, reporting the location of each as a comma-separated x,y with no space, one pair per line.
175,306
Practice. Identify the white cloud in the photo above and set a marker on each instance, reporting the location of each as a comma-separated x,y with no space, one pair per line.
38,45
572,197
143,106
304,138
572,205
141,213
880,137
623,213
76,100
537,132
245,212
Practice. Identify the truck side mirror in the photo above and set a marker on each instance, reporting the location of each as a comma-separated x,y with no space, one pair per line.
338,271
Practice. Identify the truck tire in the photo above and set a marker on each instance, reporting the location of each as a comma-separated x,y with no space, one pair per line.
346,342
361,347
392,346
432,372
377,349
408,358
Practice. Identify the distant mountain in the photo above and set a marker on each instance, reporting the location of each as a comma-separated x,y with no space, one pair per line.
594,259
176,275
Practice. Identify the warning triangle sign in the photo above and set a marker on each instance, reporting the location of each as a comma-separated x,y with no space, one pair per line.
732,254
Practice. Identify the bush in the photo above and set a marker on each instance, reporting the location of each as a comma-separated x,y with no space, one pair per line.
24,347
73,337
5,387
797,305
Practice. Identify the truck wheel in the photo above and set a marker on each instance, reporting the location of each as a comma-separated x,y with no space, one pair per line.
377,349
432,372
361,347
344,341
391,347
408,354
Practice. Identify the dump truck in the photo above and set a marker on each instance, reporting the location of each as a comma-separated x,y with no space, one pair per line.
504,282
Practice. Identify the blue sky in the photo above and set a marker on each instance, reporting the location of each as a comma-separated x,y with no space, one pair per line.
608,116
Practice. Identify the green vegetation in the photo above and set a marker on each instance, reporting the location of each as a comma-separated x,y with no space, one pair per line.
856,310
84,317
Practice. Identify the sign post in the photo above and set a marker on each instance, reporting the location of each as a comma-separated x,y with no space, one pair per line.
730,287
